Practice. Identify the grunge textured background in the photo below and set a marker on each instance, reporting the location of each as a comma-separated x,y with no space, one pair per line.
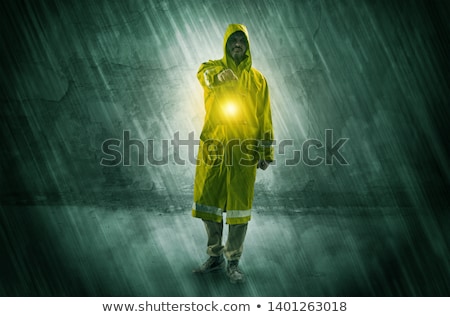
77,73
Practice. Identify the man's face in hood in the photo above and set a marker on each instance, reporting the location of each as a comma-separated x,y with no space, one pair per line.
237,46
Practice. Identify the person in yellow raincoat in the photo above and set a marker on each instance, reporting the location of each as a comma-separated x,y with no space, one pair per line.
235,140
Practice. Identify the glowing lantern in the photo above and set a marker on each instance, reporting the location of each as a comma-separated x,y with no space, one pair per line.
230,109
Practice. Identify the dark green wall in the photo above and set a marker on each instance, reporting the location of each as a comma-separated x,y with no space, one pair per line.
79,72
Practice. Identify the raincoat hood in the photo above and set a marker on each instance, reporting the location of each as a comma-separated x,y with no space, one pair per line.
227,59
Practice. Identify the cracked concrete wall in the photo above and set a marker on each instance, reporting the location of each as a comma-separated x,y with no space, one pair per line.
77,73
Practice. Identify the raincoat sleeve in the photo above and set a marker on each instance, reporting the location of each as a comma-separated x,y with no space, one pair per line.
207,72
266,150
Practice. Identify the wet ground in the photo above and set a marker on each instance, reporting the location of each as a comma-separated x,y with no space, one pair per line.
120,250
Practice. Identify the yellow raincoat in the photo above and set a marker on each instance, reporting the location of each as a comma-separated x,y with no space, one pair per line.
237,132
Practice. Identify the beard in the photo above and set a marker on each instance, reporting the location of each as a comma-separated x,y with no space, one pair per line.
237,55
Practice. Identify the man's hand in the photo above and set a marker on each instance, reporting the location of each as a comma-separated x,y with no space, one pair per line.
226,75
263,164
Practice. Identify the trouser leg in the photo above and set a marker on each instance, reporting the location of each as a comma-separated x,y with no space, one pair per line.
214,231
235,241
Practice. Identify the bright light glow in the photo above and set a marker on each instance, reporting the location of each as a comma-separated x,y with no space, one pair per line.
230,109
